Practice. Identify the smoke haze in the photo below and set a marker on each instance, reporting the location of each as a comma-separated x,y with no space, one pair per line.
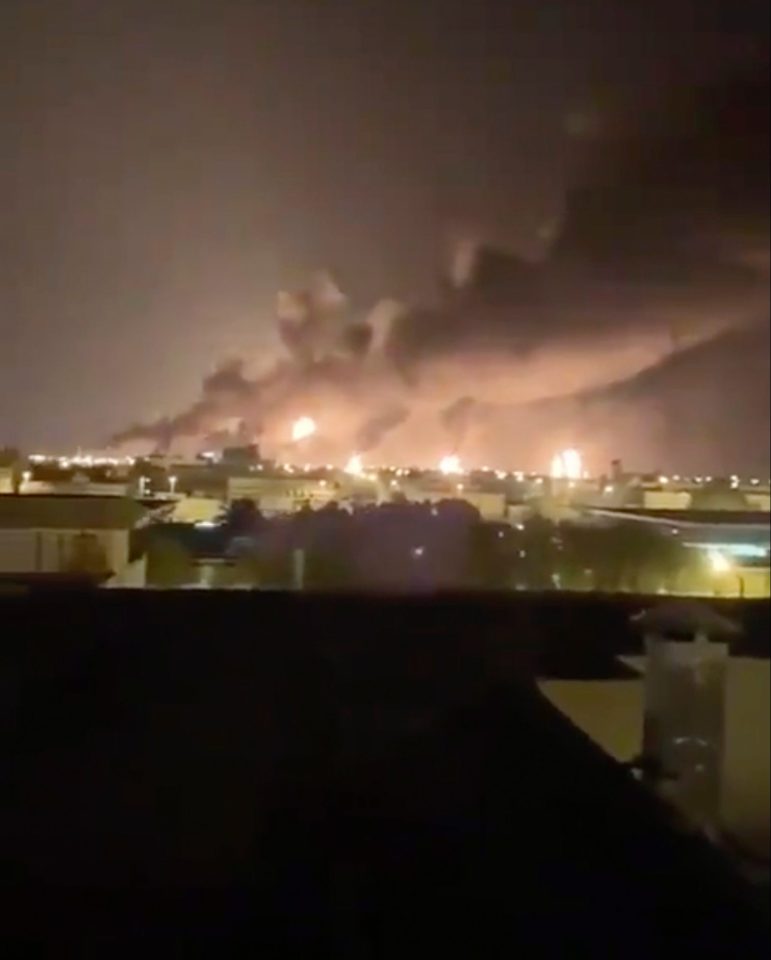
660,262
522,213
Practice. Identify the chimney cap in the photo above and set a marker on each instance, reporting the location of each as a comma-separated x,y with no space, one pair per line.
685,618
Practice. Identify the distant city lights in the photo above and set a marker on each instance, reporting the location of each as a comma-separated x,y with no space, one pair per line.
566,467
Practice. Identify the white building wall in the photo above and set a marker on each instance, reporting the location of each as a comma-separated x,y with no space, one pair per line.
49,551
759,501
197,509
80,489
666,499
17,551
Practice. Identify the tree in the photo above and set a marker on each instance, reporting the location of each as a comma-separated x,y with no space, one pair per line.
246,571
539,552
488,566
243,519
634,557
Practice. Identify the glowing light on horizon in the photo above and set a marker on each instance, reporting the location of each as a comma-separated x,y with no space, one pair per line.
719,562
303,428
450,464
567,465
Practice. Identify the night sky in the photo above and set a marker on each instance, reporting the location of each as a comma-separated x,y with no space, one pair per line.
167,166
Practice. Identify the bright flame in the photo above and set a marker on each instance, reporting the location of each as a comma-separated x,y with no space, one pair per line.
567,465
302,428
354,466
450,464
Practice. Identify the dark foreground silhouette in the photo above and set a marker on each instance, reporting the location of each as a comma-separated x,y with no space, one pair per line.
227,773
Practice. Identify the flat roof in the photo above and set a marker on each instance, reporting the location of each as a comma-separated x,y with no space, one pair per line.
68,512
683,518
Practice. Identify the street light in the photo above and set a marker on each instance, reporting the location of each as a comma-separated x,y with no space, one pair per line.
721,566
173,484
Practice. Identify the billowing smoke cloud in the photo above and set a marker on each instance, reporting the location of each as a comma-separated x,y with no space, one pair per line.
373,431
456,419
663,248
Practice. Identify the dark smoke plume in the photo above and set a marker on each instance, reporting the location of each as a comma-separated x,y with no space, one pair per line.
456,419
663,250
373,431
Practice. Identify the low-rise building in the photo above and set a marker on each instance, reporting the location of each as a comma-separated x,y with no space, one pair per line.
82,487
283,494
758,500
663,499
7,479
737,544
67,535
196,510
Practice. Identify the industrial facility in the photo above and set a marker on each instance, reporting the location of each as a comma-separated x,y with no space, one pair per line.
49,499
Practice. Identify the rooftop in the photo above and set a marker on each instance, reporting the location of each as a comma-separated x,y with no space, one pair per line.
295,775
684,518
68,512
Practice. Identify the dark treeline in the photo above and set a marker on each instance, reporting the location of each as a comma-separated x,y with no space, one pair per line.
407,546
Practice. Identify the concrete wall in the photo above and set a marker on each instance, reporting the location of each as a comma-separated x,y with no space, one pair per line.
50,551
754,583
759,501
81,489
611,713
196,509
666,499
